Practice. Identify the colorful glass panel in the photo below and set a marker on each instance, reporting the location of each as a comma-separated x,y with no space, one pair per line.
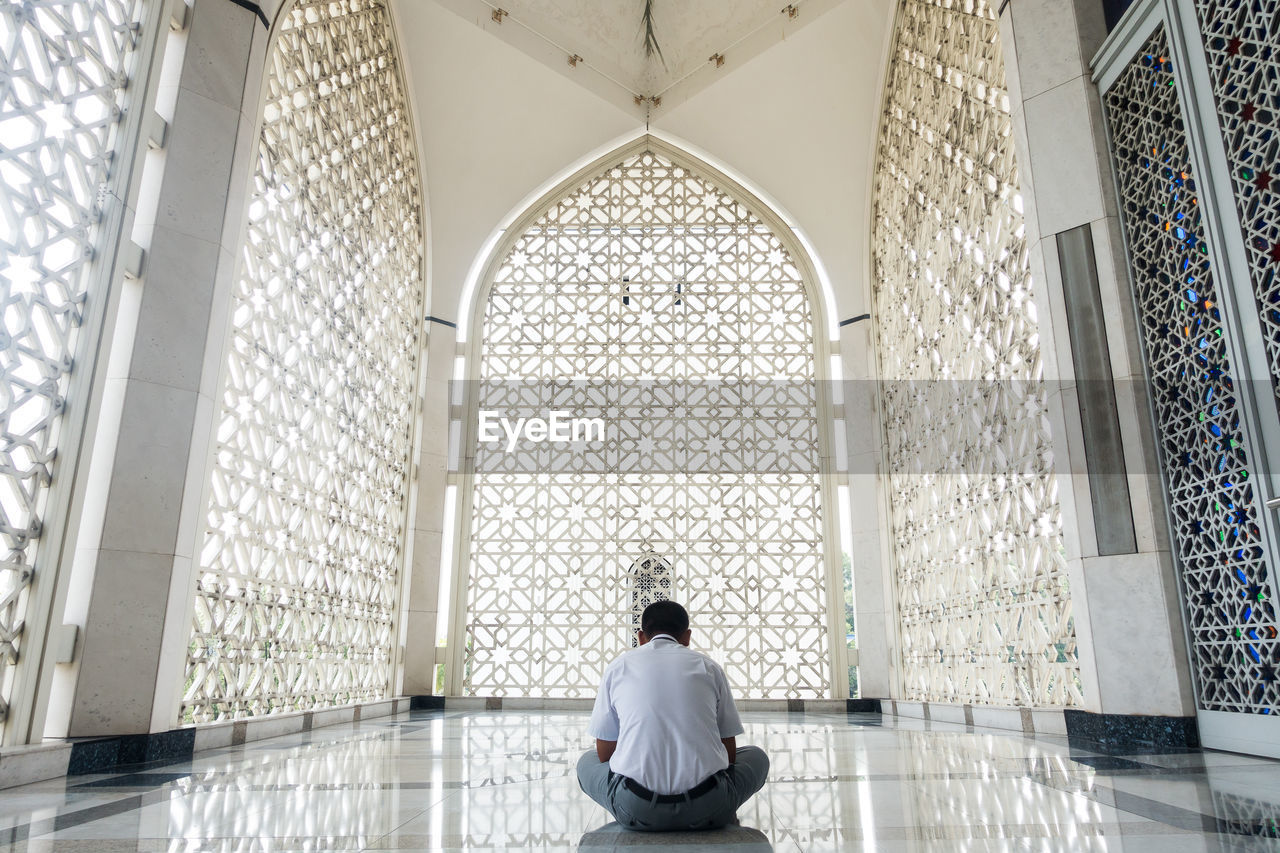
1207,474
1242,45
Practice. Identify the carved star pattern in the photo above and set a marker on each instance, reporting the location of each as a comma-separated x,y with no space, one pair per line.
1233,678
563,539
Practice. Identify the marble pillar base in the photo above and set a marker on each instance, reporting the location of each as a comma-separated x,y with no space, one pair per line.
1131,734
135,751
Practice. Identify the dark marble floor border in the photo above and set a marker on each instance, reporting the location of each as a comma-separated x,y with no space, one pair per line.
1130,734
1110,734
494,703
105,755
118,753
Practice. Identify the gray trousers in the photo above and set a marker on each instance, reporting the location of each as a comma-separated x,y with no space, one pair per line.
714,809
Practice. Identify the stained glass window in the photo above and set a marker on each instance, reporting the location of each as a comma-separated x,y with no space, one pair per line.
1240,43
1207,472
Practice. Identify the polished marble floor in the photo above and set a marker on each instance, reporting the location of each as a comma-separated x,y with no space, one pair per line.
454,780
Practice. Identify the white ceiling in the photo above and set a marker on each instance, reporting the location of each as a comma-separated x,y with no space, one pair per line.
609,33
501,123
608,36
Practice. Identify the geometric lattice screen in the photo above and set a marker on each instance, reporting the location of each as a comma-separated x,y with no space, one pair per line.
649,298
1224,572
984,607
1240,41
299,571
63,73
650,579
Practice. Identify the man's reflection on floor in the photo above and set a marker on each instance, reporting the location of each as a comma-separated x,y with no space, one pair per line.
612,836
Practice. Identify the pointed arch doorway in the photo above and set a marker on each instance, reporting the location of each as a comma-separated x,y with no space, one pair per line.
665,324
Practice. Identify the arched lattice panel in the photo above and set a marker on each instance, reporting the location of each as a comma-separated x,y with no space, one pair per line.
64,68
983,601
1207,465
651,299
651,580
298,574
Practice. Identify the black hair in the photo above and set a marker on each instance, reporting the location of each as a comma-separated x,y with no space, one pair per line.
664,617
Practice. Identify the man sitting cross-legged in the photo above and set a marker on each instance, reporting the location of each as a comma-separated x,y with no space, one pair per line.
666,733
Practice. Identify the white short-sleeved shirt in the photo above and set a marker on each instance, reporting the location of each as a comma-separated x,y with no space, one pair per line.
667,706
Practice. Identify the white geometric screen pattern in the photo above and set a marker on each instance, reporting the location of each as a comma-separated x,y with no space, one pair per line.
63,75
649,298
298,576
983,599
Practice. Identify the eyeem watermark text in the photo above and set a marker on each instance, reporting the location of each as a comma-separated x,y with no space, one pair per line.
557,427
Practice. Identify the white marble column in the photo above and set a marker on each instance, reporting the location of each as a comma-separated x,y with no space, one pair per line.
139,570
1127,620
875,617
421,606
